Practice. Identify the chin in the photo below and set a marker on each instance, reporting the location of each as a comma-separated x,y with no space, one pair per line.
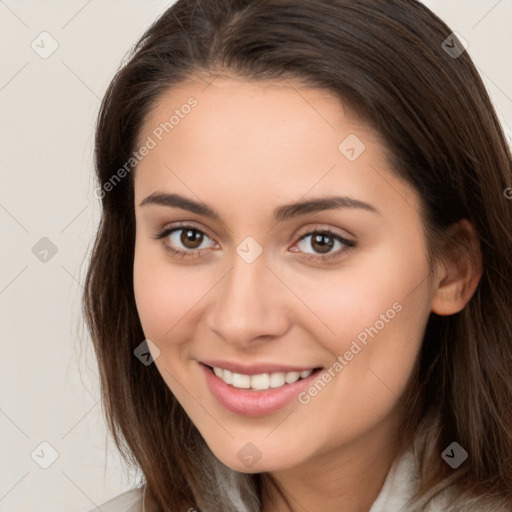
248,459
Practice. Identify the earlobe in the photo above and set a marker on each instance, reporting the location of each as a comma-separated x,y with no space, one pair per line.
458,275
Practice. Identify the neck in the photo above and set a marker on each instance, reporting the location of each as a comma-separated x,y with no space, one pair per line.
348,478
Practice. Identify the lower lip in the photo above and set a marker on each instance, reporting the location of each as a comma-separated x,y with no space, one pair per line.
254,403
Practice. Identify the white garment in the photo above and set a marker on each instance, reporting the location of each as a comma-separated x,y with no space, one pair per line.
398,488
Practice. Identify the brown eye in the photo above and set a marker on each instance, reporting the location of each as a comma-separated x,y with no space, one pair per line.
323,245
185,241
322,242
191,238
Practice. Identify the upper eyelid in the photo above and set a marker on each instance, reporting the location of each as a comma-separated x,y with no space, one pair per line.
325,228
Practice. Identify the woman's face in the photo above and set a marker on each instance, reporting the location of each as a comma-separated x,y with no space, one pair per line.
264,287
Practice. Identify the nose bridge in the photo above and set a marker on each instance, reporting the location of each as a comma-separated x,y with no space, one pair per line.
244,281
246,302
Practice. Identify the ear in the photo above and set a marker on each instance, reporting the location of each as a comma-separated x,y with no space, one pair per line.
459,270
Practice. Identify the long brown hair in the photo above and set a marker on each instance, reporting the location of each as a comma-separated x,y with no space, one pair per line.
388,62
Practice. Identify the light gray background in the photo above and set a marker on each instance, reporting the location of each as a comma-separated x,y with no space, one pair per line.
49,390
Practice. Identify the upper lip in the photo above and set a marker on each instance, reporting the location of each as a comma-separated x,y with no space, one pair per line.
256,369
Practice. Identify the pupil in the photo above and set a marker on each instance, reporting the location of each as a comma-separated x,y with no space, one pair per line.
191,238
323,247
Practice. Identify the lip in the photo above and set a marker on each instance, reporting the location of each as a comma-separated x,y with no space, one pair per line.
256,369
254,403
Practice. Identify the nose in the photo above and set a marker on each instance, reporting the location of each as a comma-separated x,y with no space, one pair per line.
248,305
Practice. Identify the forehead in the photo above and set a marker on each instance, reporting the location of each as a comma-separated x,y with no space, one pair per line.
286,112
257,140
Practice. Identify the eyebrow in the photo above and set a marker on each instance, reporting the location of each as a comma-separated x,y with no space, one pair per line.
281,213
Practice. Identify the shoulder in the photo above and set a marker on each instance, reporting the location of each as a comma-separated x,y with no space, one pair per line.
401,484
129,501
400,487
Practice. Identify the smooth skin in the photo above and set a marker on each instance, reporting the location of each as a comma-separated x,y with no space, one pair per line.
244,150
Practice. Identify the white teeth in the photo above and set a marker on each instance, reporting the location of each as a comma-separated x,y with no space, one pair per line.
277,379
292,377
241,381
261,381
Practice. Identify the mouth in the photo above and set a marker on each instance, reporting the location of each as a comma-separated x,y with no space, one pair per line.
257,394
260,381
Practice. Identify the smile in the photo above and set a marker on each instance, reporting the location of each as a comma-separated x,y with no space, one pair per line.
255,393
261,381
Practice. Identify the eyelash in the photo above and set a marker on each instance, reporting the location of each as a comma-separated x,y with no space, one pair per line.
349,244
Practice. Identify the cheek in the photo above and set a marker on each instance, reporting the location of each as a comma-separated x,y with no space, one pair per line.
376,316
165,295
366,292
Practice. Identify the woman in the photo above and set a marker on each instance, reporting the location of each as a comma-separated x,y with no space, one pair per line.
299,294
